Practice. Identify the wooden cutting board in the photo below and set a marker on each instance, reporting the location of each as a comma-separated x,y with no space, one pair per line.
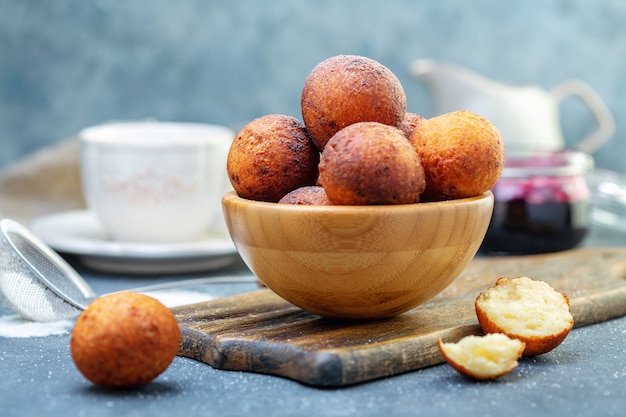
259,332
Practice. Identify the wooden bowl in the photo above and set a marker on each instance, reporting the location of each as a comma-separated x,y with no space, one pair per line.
357,262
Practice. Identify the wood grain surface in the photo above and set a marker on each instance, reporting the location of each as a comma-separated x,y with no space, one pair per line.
260,332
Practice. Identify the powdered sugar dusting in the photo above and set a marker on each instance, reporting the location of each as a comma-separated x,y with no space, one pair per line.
18,327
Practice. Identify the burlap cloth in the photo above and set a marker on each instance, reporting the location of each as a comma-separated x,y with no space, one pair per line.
44,182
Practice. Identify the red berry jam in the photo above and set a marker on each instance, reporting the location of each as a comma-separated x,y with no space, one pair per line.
541,204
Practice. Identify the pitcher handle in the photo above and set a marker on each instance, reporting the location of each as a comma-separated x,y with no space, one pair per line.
597,106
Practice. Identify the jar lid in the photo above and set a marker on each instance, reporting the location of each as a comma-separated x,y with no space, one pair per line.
547,164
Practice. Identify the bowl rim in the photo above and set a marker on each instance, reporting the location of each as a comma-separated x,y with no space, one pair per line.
231,197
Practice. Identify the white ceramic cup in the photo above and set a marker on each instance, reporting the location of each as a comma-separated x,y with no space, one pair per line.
155,181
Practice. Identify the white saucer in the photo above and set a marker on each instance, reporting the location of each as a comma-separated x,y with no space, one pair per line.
80,233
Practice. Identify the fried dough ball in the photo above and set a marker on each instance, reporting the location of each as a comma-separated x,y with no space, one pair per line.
124,340
371,163
271,156
483,357
310,196
528,310
462,154
410,122
347,89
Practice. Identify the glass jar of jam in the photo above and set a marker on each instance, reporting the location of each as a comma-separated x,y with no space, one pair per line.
542,204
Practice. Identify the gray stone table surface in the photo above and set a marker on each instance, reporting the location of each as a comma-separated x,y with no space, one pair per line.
585,376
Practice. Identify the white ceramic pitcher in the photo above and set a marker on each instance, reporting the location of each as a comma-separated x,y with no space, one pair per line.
528,117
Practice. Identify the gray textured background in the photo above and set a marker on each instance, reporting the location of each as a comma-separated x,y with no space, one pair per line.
67,64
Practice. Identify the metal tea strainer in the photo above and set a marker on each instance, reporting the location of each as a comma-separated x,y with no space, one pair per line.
38,284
